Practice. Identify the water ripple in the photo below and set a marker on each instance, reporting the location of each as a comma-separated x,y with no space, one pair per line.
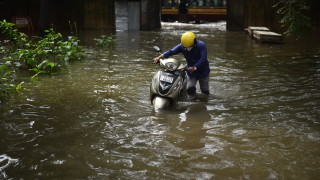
5,162
95,121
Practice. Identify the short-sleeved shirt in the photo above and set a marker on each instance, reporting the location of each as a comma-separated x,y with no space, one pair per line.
196,57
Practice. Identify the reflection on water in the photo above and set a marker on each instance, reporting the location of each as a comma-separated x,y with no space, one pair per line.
191,127
94,120
128,40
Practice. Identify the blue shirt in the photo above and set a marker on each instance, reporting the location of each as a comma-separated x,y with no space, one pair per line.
196,57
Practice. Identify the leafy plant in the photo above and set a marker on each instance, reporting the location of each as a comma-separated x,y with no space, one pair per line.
293,16
16,37
105,41
70,49
44,55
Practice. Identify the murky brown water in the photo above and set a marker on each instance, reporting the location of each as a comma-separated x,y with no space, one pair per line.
94,119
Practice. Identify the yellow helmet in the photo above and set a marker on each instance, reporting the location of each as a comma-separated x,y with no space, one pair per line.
187,39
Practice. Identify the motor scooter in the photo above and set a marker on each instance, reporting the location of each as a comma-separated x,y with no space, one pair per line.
169,83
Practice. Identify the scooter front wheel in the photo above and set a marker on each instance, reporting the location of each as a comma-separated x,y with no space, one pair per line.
160,102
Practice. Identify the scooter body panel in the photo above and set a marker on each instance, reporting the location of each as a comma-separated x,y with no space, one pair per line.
166,87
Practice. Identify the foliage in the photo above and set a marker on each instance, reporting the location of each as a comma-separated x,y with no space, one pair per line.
293,16
7,79
16,37
105,41
43,55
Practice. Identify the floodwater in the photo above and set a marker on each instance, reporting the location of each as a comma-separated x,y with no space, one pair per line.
94,120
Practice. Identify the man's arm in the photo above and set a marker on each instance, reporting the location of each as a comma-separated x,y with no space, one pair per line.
157,59
168,53
203,56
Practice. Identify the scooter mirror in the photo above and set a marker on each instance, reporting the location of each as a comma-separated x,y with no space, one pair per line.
157,48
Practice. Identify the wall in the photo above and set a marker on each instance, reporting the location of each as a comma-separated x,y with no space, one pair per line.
121,13
150,15
129,16
134,15
314,12
244,13
261,13
86,14
235,16
99,14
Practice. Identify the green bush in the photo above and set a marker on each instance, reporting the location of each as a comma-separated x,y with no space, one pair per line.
105,41
293,16
43,55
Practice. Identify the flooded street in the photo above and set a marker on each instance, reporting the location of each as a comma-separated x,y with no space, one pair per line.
94,120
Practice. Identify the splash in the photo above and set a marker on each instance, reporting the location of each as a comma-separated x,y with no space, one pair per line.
6,161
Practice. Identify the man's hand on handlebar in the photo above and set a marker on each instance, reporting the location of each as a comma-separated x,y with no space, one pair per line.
157,59
192,68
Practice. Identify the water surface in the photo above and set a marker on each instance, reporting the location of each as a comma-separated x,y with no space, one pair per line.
94,120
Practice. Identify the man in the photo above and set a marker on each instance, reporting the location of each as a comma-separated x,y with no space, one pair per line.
195,52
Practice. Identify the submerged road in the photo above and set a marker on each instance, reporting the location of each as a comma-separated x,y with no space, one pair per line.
94,120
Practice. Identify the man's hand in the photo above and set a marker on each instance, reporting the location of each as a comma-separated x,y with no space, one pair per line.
157,59
192,68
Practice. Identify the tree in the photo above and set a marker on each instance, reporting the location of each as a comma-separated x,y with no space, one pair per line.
294,16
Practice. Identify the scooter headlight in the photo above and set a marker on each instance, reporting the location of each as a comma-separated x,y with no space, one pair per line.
171,66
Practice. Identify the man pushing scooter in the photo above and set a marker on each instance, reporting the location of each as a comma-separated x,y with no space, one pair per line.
195,53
